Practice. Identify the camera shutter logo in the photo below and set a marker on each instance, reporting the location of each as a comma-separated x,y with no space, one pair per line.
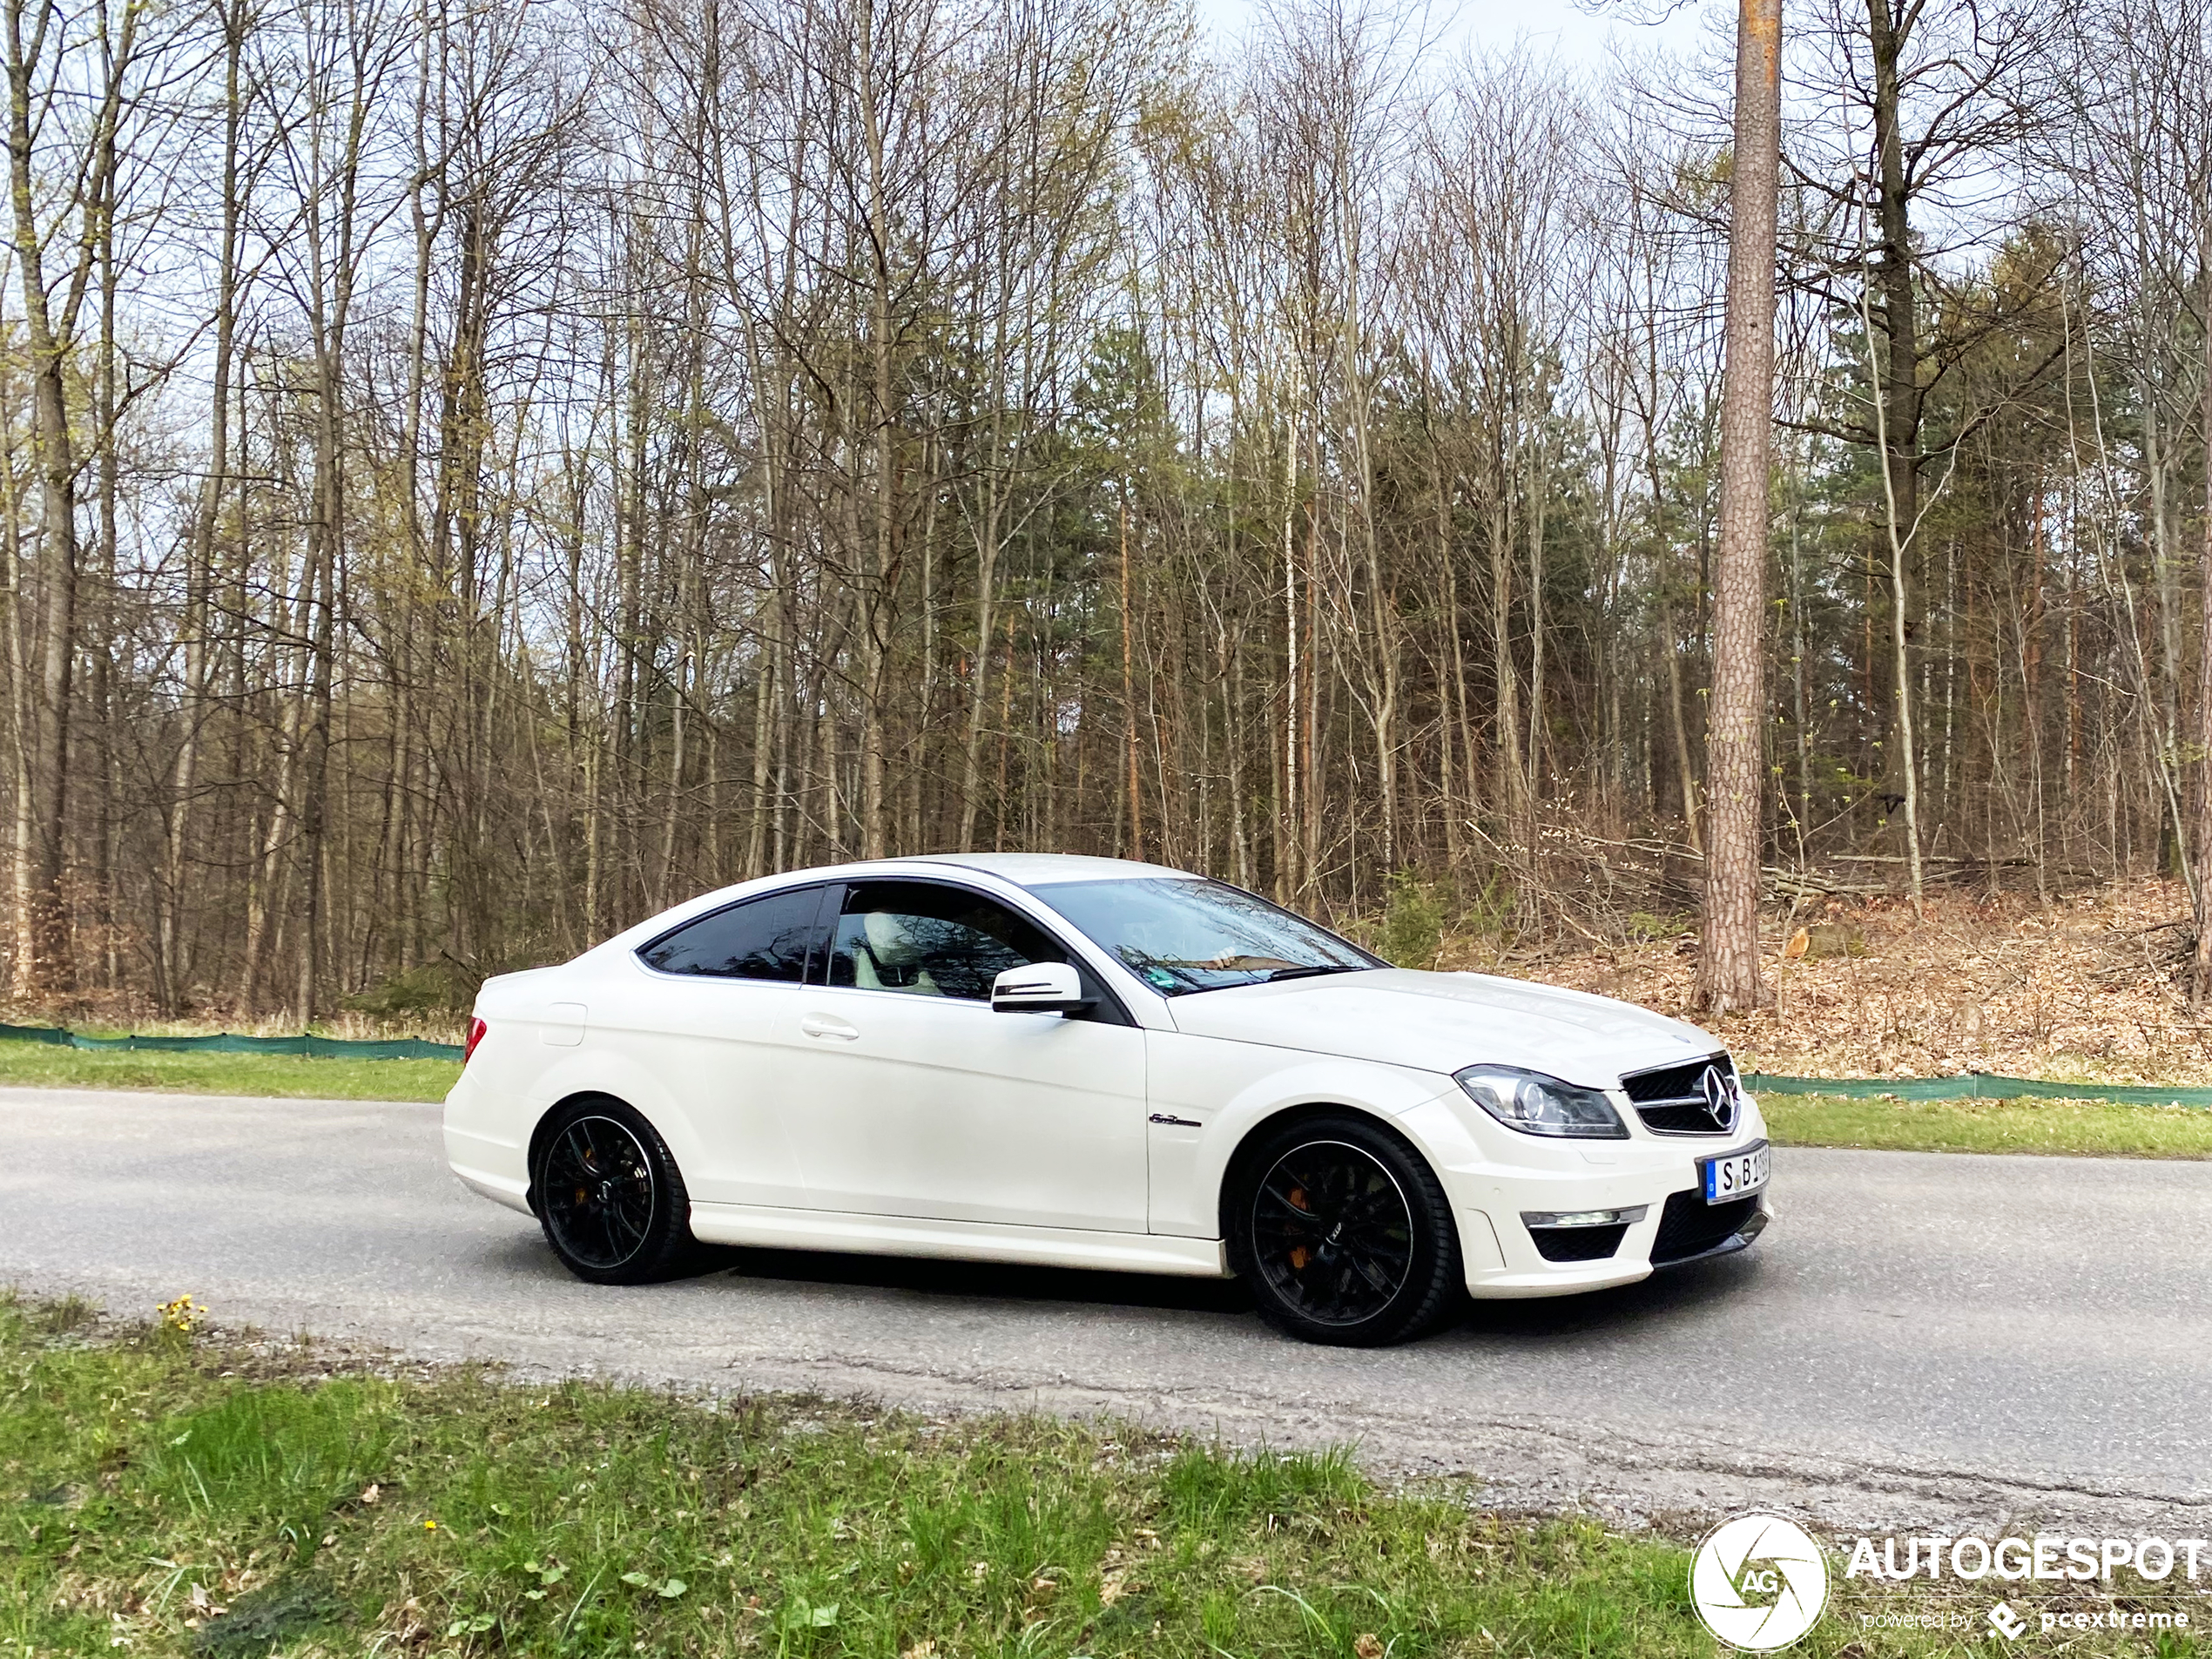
1759,1583
1720,1098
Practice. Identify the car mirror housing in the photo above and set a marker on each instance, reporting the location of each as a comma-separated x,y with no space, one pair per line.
1040,987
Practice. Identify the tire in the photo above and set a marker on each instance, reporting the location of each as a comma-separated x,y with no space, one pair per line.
1343,1233
608,1195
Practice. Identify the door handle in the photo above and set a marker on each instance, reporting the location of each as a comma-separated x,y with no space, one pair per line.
829,1027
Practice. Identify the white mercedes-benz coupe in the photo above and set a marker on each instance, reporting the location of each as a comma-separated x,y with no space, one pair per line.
1087,1062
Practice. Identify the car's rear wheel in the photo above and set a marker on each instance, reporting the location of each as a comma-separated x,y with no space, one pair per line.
1343,1233
609,1195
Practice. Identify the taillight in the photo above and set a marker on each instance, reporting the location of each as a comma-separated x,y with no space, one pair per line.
475,1036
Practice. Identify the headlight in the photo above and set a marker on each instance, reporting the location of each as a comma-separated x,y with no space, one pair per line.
1536,1104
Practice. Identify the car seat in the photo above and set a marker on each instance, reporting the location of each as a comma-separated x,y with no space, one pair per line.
891,957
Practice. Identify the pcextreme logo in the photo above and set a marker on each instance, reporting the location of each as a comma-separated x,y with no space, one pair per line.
1759,1583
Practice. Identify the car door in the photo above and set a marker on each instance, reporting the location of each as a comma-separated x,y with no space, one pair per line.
713,1015
923,1103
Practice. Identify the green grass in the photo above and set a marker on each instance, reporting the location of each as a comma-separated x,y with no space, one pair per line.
146,1482
2072,1127
47,1065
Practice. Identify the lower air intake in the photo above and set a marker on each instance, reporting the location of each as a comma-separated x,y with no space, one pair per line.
1690,1227
1577,1244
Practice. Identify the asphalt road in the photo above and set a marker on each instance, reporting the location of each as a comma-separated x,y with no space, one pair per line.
1921,1339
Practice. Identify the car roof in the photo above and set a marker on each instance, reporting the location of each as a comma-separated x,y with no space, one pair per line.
1020,869
1042,869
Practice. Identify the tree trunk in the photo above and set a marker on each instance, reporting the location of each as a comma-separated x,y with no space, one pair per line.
1128,693
199,572
1505,677
22,980
53,964
1898,391
2201,839
1727,965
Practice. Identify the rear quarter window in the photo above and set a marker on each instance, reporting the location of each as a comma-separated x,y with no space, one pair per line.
767,938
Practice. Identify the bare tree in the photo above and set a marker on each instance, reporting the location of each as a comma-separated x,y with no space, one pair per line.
519,476
41,62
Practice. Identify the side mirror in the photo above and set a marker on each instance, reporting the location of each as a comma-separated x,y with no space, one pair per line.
1040,987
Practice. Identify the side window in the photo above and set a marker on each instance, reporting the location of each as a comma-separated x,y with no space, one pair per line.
759,939
923,940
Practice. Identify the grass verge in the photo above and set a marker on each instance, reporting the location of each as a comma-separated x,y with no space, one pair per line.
2059,1127
293,1076
2052,1127
158,1495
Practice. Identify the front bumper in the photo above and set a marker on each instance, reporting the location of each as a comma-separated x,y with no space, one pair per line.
1504,1257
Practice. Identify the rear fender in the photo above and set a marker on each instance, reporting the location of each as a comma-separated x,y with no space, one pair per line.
593,1071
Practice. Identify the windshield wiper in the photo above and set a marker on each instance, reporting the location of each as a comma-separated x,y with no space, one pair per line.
1269,978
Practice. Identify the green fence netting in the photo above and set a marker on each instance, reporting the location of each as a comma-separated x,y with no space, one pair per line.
1976,1085
230,1043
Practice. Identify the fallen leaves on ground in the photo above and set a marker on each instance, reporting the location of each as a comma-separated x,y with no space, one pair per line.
2089,988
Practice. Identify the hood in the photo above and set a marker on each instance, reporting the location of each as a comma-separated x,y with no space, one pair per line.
1444,1022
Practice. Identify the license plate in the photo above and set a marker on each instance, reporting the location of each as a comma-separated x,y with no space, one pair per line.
1738,1176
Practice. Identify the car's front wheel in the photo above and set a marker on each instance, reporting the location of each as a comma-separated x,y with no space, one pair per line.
609,1195
1343,1233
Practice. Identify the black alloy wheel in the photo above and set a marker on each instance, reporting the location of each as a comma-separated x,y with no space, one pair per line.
609,1196
1331,1232
1343,1234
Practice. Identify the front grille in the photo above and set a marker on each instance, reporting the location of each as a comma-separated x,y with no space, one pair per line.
1671,1100
1578,1244
1673,1082
1690,1227
1681,1117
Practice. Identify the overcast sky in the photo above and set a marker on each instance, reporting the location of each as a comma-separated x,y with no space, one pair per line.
1578,38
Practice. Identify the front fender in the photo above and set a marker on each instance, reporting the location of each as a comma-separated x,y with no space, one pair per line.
1223,1090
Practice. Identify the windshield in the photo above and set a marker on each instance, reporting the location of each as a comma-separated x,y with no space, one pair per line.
1180,935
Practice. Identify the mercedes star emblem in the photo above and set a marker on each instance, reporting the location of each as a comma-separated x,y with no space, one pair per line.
1720,1098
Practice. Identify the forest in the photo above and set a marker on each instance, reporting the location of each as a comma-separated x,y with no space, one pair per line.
470,476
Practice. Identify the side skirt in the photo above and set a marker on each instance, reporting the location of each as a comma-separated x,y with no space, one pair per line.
730,1224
